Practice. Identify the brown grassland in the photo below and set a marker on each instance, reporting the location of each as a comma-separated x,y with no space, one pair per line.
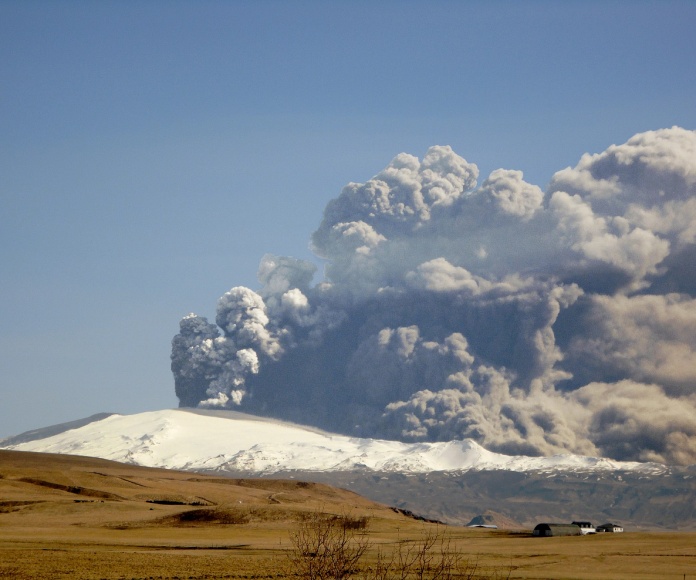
82,518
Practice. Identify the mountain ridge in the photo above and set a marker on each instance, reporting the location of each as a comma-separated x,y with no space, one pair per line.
195,439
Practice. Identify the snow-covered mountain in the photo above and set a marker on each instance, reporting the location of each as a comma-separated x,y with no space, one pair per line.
192,439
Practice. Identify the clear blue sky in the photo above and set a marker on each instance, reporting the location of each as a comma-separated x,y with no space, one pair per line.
152,152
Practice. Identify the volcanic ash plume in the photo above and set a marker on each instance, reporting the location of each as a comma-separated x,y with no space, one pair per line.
532,322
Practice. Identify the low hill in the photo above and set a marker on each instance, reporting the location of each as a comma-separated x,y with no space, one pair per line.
38,488
77,517
82,518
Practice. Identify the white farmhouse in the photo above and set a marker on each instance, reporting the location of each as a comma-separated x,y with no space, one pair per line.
609,528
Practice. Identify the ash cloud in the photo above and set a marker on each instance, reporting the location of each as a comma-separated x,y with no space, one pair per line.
532,321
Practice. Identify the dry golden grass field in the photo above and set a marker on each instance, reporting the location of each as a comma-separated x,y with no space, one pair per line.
80,518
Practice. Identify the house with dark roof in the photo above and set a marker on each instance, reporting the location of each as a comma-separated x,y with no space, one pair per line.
585,527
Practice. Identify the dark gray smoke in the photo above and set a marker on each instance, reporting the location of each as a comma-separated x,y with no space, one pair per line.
533,322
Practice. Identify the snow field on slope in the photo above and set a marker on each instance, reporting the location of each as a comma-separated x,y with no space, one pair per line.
197,440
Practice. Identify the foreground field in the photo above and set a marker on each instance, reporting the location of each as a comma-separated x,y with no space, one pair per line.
81,518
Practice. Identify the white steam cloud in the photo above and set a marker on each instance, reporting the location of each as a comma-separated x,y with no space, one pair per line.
533,322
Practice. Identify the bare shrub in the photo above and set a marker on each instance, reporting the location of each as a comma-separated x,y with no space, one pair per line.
433,557
328,547
332,547
212,516
352,523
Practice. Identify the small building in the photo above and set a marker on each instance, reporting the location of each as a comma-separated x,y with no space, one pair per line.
585,527
611,528
545,530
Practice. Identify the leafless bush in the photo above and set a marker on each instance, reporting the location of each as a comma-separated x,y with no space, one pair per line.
433,557
352,523
209,516
332,547
327,547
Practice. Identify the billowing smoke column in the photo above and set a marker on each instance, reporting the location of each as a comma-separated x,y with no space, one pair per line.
533,322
